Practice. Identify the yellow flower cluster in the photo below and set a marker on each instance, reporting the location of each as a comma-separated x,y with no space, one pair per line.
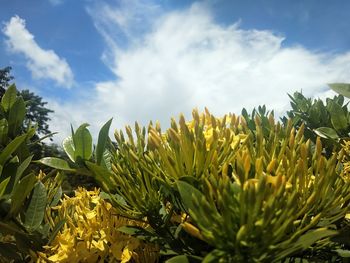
345,159
90,233
209,129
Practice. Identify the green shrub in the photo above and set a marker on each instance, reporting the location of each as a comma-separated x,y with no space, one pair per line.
24,196
217,190
330,120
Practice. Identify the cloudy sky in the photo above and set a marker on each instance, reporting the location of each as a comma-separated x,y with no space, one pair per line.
137,60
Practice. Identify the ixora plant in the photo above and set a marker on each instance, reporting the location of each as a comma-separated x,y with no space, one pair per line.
217,190
90,233
24,195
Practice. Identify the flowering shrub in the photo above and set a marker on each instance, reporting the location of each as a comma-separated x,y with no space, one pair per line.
231,189
90,233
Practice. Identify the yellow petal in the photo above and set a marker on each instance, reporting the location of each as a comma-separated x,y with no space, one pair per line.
126,256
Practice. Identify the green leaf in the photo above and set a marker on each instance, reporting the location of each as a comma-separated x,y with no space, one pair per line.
11,147
130,230
68,146
102,175
3,131
305,241
82,142
56,163
36,209
338,117
22,167
44,230
341,88
312,236
3,185
187,192
102,141
327,133
9,97
106,160
56,198
16,115
21,191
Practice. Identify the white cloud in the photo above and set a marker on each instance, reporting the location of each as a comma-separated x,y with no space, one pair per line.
43,64
187,60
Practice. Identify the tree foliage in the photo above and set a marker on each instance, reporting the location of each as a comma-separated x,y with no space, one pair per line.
5,78
37,112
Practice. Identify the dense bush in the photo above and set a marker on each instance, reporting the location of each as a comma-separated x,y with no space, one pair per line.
24,195
214,189
231,189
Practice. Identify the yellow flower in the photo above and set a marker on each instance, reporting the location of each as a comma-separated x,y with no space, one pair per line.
90,233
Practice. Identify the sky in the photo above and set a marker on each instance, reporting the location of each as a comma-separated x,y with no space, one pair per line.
137,60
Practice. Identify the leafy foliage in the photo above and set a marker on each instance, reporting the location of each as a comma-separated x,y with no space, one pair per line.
330,121
5,78
24,196
220,189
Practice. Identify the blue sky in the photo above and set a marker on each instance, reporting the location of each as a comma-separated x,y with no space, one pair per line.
140,60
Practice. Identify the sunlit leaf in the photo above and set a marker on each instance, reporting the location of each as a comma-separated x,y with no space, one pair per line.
68,146
36,209
56,163
9,97
341,88
102,141
327,133
82,142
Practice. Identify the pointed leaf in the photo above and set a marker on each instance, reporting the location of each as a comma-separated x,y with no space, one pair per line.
341,88
11,147
106,160
44,137
3,131
102,141
82,142
16,115
22,167
68,146
56,163
338,117
102,175
187,191
327,133
21,191
9,97
305,241
36,209
56,198
3,185
131,230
